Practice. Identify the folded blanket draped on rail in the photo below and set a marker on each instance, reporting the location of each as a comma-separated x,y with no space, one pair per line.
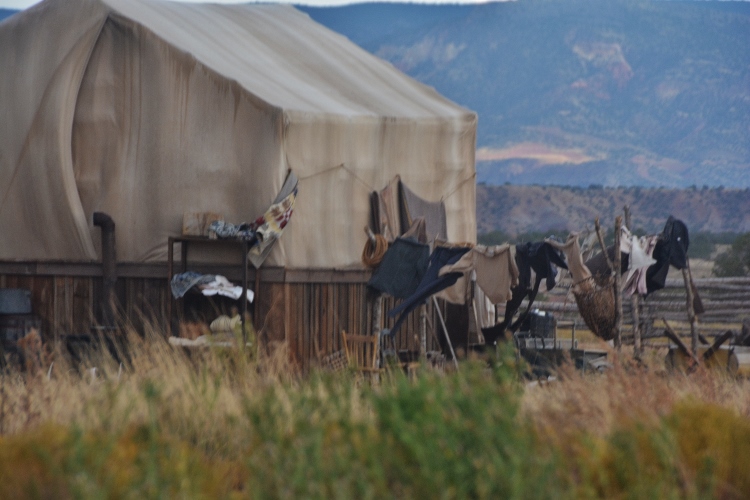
207,284
264,231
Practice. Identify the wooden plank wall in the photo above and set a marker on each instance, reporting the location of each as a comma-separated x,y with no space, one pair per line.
316,313
308,316
143,302
72,305
64,303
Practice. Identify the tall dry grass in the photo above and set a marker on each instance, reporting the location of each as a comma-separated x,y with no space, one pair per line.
223,422
637,430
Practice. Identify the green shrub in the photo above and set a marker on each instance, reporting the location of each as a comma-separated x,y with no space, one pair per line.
735,261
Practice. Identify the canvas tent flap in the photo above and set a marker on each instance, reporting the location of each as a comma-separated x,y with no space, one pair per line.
39,204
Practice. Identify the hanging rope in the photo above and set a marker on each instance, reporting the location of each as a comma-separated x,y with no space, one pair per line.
374,251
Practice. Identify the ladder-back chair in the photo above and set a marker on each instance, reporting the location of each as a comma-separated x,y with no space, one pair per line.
362,352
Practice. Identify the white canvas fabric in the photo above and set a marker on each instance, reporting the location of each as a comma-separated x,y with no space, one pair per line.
147,109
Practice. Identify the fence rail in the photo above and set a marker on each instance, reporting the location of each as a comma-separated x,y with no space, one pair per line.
726,304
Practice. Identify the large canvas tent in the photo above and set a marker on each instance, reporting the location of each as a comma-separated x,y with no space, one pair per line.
146,110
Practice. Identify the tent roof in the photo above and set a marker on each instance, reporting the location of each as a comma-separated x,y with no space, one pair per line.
286,59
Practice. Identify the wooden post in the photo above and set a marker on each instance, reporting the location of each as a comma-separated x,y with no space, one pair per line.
628,221
423,332
690,310
618,284
377,313
600,237
445,331
256,291
635,302
377,304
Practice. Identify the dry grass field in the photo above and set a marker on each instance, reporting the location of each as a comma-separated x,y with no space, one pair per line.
221,423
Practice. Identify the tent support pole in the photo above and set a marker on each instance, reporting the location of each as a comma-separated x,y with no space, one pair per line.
423,332
377,312
445,331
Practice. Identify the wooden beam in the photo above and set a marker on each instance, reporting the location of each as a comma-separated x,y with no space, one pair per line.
445,331
635,301
600,237
717,344
690,310
618,283
671,335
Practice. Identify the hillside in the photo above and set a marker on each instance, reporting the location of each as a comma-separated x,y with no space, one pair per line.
516,209
581,91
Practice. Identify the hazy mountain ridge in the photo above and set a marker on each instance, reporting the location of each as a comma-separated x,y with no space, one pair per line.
516,209
651,93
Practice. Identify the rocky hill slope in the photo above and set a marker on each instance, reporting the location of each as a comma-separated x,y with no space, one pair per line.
517,209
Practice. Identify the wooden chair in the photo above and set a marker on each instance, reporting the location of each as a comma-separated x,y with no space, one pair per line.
362,352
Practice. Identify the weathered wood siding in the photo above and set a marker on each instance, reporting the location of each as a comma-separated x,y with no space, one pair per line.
308,315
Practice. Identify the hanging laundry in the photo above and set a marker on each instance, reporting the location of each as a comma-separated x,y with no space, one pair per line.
495,269
493,334
670,249
266,229
417,231
641,259
389,213
270,226
433,212
579,272
459,292
484,307
402,268
542,259
431,283
598,263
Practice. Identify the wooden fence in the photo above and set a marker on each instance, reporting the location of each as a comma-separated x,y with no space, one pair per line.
726,302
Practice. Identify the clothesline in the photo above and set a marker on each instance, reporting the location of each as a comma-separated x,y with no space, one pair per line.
512,274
